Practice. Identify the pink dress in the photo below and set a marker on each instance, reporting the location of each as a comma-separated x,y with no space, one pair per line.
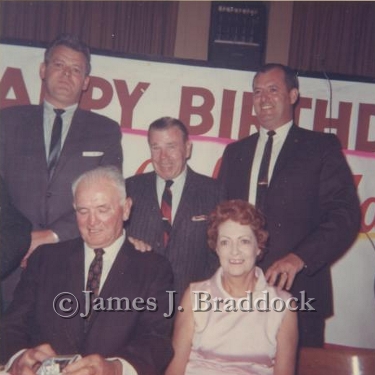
236,342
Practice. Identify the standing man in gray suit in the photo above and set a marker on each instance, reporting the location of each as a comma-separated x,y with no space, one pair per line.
43,148
171,205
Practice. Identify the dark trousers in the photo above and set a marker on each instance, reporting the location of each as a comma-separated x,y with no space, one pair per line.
311,330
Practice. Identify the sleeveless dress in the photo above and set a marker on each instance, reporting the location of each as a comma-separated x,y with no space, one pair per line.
235,342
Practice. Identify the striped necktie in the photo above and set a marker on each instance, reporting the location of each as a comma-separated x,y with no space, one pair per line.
166,210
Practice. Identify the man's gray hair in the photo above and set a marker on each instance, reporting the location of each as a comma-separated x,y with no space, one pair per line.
109,174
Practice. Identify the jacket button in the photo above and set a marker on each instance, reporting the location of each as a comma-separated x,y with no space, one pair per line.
49,194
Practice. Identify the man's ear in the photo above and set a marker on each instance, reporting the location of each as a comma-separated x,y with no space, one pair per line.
127,208
293,95
42,71
86,83
189,147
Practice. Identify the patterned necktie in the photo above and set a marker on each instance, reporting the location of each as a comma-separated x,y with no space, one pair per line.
166,210
263,172
55,145
95,273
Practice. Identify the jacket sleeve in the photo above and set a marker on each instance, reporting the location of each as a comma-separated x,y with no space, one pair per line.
339,211
150,350
15,234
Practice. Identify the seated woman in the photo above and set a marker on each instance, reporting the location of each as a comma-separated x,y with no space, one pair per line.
223,329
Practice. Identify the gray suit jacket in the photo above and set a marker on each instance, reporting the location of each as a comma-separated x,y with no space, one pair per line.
23,166
187,250
141,337
312,208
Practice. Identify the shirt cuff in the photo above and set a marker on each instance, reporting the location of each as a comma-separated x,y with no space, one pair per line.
12,359
56,237
127,368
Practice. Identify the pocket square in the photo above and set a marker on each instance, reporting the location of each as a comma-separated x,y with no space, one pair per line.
92,153
199,218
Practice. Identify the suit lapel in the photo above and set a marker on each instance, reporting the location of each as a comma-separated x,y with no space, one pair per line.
186,199
72,141
287,151
245,163
76,284
35,140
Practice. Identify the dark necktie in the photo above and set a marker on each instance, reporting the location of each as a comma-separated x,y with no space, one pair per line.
166,210
263,172
95,273
55,145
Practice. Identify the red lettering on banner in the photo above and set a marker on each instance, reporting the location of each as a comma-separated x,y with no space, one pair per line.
215,173
143,167
341,124
365,228
88,102
187,109
226,117
12,79
302,103
128,101
365,112
247,119
357,179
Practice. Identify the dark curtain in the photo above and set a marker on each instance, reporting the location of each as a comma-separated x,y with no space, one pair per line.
139,27
333,37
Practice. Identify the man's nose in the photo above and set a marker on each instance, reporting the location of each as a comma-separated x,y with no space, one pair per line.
67,71
163,153
92,219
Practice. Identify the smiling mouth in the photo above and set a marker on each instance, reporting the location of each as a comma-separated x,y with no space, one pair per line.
94,231
236,261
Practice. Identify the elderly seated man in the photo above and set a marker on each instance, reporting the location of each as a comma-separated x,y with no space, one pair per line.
95,295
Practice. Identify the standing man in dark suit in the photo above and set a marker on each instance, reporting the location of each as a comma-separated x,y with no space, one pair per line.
92,272
307,195
180,233
43,148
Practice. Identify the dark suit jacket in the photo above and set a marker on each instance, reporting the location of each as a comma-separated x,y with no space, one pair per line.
187,250
15,234
141,338
48,204
312,208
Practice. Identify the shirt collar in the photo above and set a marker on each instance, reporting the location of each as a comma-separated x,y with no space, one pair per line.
179,180
111,251
281,132
68,110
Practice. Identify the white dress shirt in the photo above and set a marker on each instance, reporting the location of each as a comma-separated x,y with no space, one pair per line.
278,142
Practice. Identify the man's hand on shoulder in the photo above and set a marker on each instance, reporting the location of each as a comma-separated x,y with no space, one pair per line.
140,245
30,360
284,270
39,237
94,364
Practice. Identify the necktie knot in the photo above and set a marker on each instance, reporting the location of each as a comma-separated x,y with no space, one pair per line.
99,253
271,133
168,183
58,111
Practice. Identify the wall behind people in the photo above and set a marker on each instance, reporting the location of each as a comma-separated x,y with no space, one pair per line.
181,29
218,111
